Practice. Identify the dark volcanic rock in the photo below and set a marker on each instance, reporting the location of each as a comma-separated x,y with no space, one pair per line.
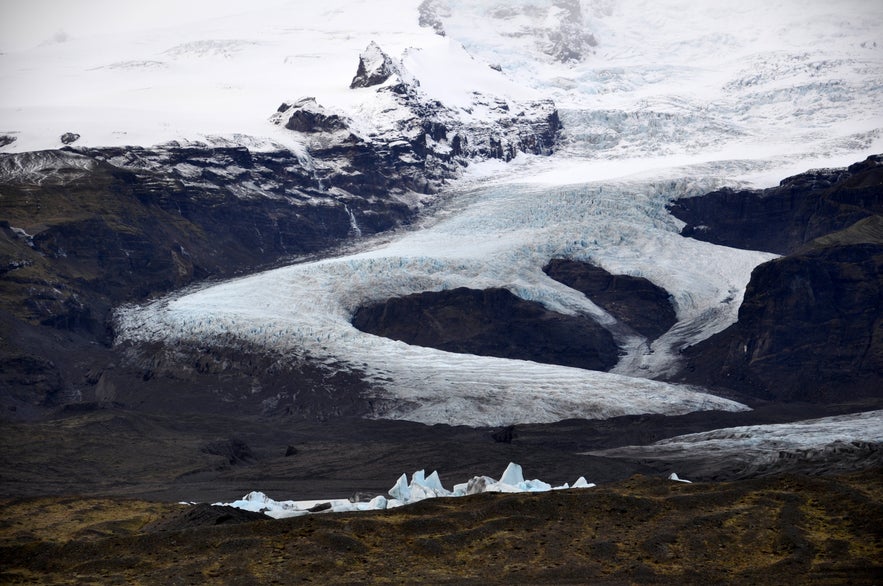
637,302
810,326
781,219
84,231
70,137
493,322
309,116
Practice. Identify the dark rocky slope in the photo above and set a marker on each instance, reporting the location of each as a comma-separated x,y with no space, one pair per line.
82,233
635,301
492,322
810,326
811,323
782,219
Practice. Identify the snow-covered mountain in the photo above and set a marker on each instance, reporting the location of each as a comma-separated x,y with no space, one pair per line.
642,78
658,101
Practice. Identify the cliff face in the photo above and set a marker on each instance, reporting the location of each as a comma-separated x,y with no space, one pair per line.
811,323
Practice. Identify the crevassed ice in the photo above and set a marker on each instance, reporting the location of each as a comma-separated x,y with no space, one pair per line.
500,236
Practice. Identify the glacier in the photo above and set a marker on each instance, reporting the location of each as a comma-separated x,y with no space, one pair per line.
661,100
498,236
649,116
763,449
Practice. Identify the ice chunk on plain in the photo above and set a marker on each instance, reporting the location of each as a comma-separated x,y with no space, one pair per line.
581,482
420,488
401,491
676,478
513,476
434,482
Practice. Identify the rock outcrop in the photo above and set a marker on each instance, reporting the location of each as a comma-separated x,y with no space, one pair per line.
784,218
810,326
309,116
375,67
492,322
635,301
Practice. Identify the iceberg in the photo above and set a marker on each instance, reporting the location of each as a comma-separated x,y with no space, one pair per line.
421,487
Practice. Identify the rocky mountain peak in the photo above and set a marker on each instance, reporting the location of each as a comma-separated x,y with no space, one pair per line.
375,67
400,139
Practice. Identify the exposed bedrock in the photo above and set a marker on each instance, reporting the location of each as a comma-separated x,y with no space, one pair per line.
83,231
491,322
782,219
635,301
810,326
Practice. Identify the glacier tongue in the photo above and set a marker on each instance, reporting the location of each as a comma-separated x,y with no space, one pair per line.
659,102
497,236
